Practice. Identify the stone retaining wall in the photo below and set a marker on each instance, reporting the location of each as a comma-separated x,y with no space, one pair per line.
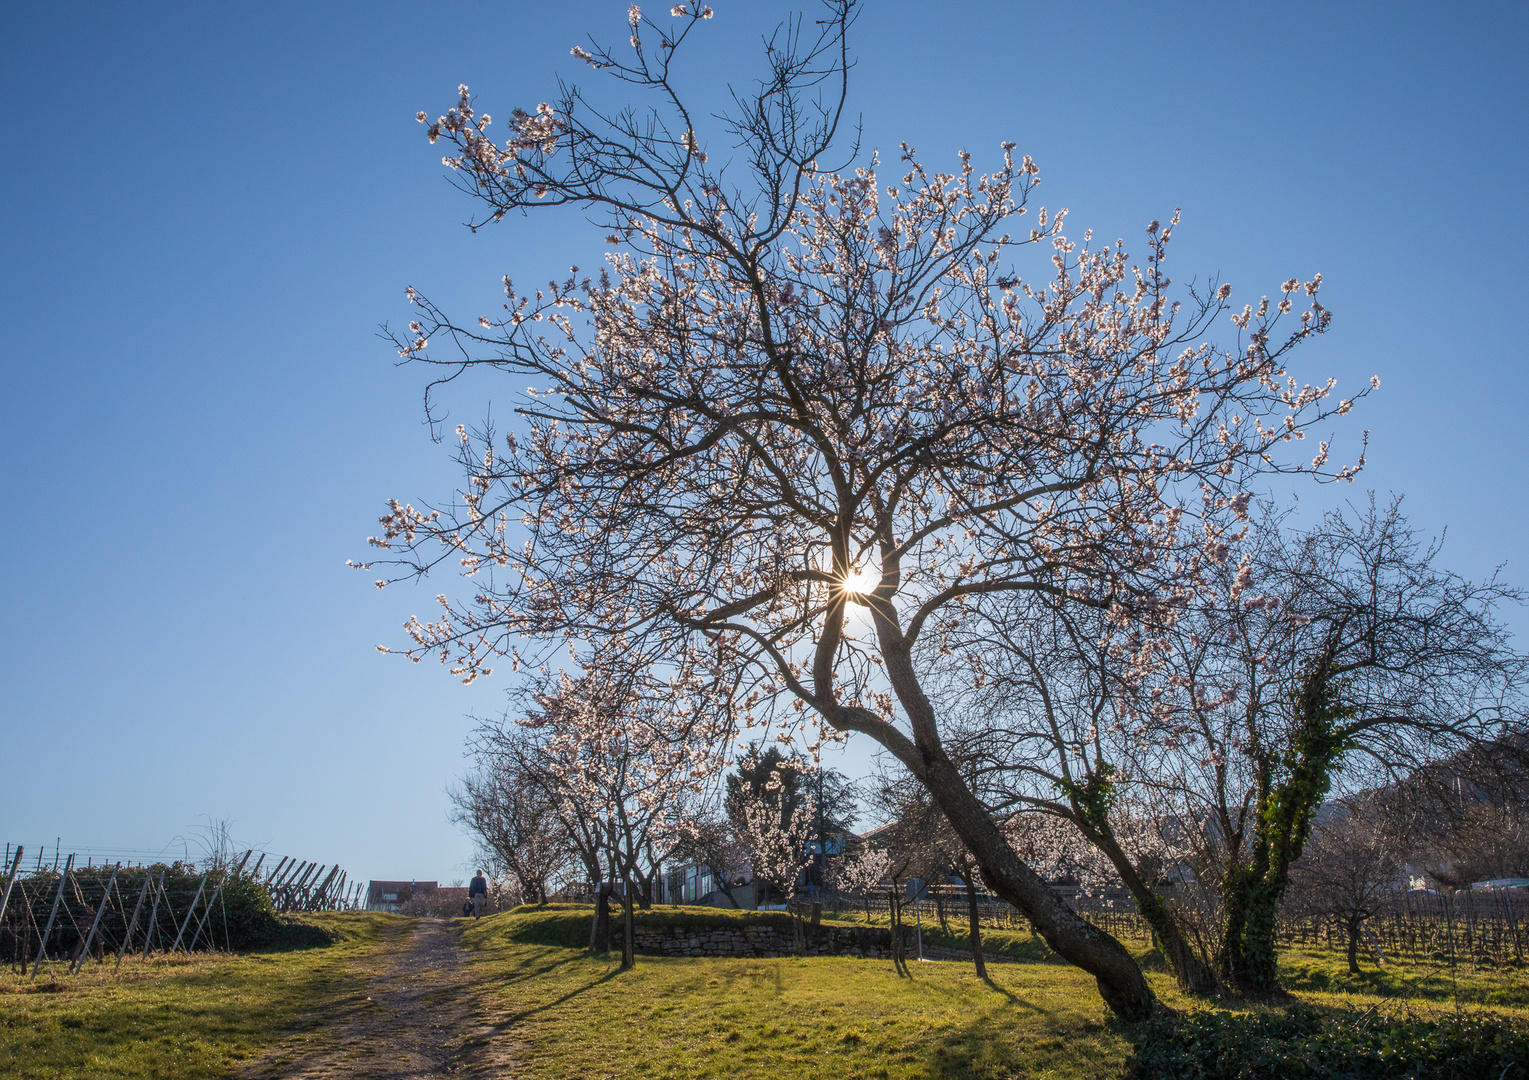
765,940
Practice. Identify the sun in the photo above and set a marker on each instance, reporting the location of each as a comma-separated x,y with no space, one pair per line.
862,579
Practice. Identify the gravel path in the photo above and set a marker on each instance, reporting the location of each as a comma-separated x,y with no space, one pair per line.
417,1017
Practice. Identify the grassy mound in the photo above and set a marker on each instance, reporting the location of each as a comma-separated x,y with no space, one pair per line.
567,925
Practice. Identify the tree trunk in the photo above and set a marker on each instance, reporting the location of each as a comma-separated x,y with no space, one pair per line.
1119,979
1193,975
895,928
1285,814
600,932
1353,944
976,925
629,930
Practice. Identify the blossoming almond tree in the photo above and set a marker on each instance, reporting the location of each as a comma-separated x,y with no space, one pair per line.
860,873
625,752
774,830
793,394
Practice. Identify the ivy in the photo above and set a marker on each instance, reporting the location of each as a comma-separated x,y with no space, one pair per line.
1093,798
1286,810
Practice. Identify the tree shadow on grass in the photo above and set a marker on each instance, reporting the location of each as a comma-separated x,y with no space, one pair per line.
524,1013
990,1047
523,974
1006,992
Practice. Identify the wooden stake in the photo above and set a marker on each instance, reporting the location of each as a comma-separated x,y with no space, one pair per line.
207,914
153,927
321,891
189,912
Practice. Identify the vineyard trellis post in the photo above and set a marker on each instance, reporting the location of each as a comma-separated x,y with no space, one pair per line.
153,928
10,881
95,924
52,915
127,937
190,911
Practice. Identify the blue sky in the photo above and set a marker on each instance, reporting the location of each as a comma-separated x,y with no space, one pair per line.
206,212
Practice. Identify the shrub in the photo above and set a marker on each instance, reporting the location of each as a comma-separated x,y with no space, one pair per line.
1304,1043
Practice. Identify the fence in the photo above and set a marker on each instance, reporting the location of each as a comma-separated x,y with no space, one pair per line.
1478,928
64,912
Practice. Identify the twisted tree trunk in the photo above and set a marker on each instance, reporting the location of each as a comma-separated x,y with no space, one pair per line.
1120,981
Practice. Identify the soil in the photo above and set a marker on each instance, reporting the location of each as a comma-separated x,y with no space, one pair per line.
412,1013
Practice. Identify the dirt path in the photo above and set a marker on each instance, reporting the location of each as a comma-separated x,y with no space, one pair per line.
414,1015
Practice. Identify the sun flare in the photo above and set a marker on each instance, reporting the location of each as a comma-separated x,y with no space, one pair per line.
863,579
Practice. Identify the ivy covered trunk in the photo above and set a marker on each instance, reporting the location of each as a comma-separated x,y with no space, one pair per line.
1289,793
1091,803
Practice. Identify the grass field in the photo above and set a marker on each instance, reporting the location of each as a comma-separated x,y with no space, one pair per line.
567,1014
842,1018
186,1017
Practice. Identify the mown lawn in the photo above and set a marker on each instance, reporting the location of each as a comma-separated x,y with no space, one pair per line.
186,1017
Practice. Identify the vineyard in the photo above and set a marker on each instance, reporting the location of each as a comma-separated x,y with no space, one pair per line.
1484,929
63,913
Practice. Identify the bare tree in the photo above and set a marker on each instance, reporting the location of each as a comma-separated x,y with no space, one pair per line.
509,804
1469,813
1343,651
1043,698
1205,744
1351,866
798,392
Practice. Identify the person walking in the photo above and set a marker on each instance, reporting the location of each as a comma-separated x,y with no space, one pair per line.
477,892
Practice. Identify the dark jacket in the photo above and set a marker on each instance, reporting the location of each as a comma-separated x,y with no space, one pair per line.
477,887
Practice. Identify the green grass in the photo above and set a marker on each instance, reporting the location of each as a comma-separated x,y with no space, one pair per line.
567,1014
579,1016
1323,975
186,1017
568,924
1002,941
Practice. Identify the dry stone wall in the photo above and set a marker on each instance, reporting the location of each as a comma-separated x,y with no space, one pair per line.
766,940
